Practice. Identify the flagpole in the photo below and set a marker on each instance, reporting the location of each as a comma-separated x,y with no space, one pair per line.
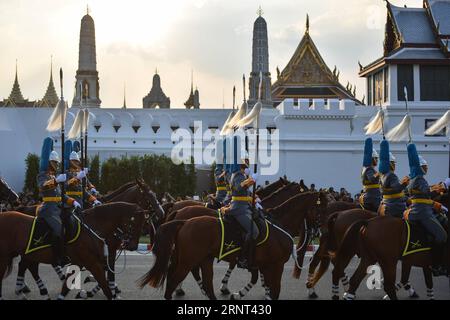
63,188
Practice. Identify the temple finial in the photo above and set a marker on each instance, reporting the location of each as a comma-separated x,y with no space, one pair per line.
156,70
260,12
87,9
307,23
192,80
124,96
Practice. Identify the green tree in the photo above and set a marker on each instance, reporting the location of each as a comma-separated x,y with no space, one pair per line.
32,170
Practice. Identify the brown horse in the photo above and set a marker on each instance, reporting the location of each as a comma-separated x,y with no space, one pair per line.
382,240
321,255
87,251
136,192
204,244
274,199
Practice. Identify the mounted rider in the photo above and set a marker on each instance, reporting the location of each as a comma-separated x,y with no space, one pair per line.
50,192
75,176
89,186
371,198
421,209
394,199
240,208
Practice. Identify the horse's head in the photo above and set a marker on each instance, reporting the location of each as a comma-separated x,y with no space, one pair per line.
150,202
131,227
6,193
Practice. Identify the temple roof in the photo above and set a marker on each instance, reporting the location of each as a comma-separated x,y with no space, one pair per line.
16,98
308,76
415,36
50,99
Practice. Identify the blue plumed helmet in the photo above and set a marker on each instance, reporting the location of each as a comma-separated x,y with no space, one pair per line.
235,166
47,148
67,152
414,162
368,151
76,146
384,164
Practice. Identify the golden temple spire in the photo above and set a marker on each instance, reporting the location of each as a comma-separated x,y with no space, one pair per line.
260,12
307,23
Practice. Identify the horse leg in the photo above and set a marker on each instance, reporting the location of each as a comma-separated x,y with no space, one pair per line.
174,278
429,282
389,272
179,292
97,270
59,271
273,277
404,282
196,274
311,271
358,276
21,287
34,270
224,287
244,291
207,274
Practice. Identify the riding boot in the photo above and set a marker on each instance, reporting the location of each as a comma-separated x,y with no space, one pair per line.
439,267
243,254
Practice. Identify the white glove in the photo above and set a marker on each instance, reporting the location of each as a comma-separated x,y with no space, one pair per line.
97,203
76,205
86,171
94,191
81,175
258,206
61,178
444,209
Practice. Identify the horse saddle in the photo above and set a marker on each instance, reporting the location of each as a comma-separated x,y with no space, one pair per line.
417,239
233,234
41,235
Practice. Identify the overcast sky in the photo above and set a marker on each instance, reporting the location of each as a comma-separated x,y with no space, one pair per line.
212,37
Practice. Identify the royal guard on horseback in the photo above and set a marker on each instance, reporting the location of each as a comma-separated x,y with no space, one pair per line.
240,208
394,199
371,198
50,192
75,176
422,209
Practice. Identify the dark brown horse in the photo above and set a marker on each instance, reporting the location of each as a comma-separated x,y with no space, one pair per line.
382,240
321,255
87,251
204,244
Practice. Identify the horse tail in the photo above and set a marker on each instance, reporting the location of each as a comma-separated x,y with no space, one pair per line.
331,241
162,249
351,236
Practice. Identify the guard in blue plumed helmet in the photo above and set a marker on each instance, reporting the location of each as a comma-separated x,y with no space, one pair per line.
394,199
90,188
50,192
240,208
75,175
371,197
421,209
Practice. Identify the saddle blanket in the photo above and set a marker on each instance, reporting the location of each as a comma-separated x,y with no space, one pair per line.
417,240
40,235
232,235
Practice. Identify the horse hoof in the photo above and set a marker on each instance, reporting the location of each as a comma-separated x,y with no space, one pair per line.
235,296
82,295
386,297
225,291
117,290
313,296
26,290
180,293
335,297
44,292
117,297
414,296
267,297
22,297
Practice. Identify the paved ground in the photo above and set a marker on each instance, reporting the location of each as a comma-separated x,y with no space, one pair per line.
292,289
